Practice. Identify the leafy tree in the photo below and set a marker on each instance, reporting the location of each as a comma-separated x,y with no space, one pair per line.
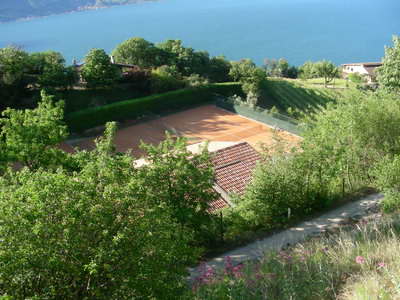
93,234
164,79
138,51
251,77
279,68
387,179
389,73
51,70
219,69
30,136
292,72
327,70
308,70
14,63
183,182
185,59
98,71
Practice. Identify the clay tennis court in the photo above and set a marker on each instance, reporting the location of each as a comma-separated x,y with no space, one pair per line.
198,124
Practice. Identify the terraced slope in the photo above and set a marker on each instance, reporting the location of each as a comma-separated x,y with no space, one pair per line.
294,94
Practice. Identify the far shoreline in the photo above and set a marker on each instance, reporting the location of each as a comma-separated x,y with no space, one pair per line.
78,9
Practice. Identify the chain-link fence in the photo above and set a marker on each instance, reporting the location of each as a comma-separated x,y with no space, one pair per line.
275,120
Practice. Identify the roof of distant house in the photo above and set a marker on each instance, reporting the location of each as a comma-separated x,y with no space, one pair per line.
365,64
233,167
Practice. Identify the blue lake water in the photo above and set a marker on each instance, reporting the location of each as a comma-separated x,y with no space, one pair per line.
298,30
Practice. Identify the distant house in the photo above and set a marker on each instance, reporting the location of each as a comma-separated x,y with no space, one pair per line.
366,70
124,68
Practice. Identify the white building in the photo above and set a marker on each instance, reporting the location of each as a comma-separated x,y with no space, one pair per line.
366,70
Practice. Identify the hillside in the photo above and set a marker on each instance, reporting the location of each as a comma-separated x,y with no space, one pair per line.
296,95
11,10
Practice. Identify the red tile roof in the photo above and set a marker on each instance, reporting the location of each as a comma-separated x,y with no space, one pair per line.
233,170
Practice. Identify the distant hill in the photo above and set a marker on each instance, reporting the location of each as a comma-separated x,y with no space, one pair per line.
16,9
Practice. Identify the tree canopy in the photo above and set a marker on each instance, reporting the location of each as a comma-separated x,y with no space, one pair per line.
98,70
389,73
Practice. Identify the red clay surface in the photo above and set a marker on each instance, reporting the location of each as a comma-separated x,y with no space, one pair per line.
198,124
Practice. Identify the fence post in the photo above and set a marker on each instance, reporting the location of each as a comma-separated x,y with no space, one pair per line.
221,227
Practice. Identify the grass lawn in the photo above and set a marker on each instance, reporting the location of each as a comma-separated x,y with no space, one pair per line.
336,83
296,94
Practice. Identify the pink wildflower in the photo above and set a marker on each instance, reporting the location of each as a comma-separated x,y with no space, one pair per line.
360,260
381,265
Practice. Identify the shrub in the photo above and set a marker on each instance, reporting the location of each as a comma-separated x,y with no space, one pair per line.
195,80
282,188
356,78
137,108
165,79
105,231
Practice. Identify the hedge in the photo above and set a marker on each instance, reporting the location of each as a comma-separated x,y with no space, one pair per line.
154,104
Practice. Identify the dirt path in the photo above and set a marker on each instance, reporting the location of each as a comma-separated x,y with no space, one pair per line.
256,250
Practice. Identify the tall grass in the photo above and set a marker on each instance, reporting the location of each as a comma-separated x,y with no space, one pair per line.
362,263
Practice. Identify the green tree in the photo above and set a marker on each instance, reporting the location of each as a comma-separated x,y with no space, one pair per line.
183,182
279,68
185,59
327,70
92,234
308,70
138,51
387,179
50,68
14,63
164,79
30,136
98,71
251,77
219,69
389,73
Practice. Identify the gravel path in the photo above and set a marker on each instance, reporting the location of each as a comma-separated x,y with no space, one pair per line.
334,218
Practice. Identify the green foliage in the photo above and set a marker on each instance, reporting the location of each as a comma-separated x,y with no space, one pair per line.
103,232
282,188
138,51
13,64
185,59
389,73
327,70
51,70
196,80
357,263
219,69
341,145
356,78
387,179
164,79
250,76
30,136
279,68
98,71
308,70
183,183
139,107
